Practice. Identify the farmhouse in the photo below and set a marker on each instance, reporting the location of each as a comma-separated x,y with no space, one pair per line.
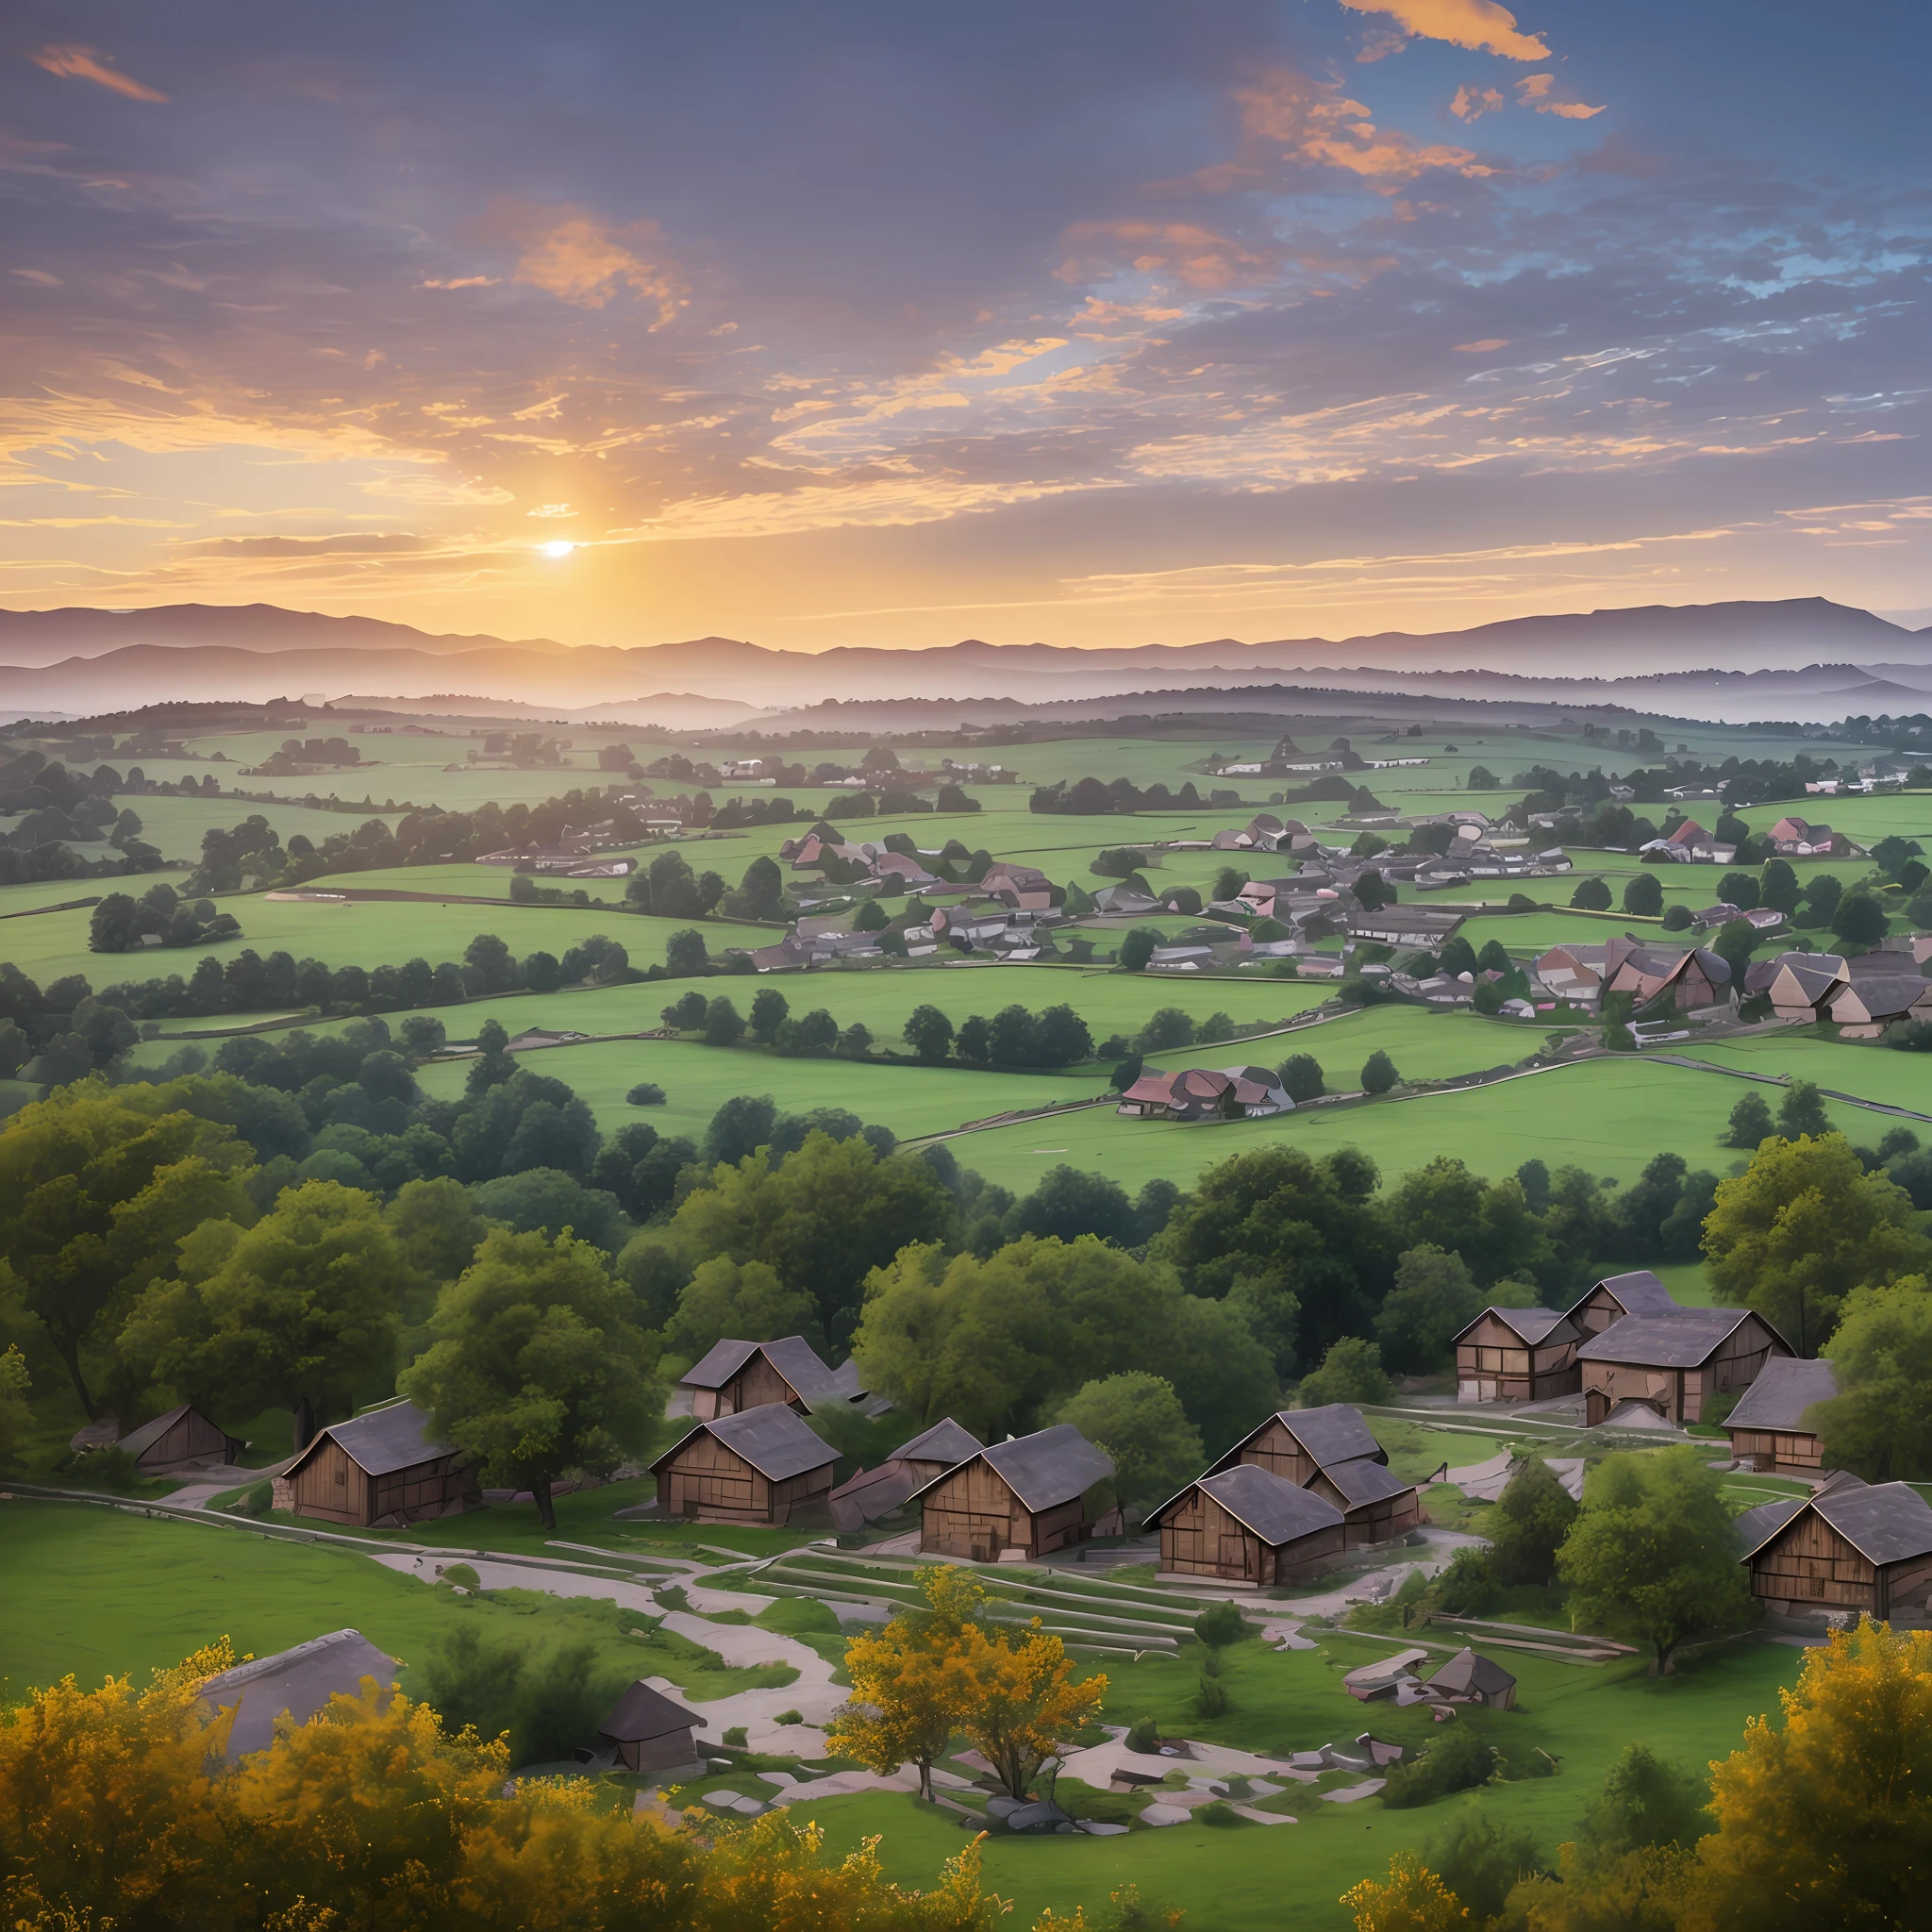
297,1682
1468,1678
1792,837
181,1438
1247,1525
1517,1354
1639,1292
1426,926
875,1492
759,1465
1198,1093
1804,984
1688,980
1853,1548
1768,1430
383,1471
1026,1495
647,1732
1867,1003
1331,1450
1668,1362
735,1375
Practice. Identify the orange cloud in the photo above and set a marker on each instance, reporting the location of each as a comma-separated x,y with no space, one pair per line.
1314,121
576,257
1533,92
1195,256
1483,347
1480,26
1473,103
83,63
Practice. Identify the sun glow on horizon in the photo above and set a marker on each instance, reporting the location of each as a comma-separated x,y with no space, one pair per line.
557,546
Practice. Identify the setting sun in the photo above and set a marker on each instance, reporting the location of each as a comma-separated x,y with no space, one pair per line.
558,548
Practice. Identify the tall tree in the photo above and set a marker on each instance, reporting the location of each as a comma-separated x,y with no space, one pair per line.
539,1367
1016,1698
1528,1525
1137,1419
1881,1420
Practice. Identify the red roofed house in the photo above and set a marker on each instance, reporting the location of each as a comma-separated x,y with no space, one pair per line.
1200,1093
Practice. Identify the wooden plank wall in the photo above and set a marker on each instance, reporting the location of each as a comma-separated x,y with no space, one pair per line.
973,1513
330,1485
712,1483
1779,1449
1810,1565
1278,1451
756,1385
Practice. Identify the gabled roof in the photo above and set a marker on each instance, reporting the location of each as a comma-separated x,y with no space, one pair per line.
792,1356
946,1441
141,1439
1755,1528
1043,1469
642,1713
1531,1326
1637,1293
1886,1523
1331,1434
775,1439
1785,1388
382,1441
1467,1672
1278,1511
300,1682
1363,1481
1681,1338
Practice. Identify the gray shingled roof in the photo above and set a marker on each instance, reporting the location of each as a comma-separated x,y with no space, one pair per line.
1362,1481
1048,1468
1785,1388
642,1713
385,1440
1638,1292
946,1441
1531,1324
1333,1433
1278,1511
149,1434
300,1682
792,1356
1886,1523
773,1438
1467,1672
1681,1339
1755,1528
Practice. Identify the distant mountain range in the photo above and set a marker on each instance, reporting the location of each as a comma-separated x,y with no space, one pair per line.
1803,657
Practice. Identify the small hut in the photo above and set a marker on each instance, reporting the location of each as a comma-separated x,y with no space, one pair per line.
383,1471
1377,1508
1767,1428
182,1439
1517,1354
1672,1361
297,1682
733,1377
1028,1496
649,1732
1247,1525
1851,1548
1331,1451
1468,1678
760,1465
873,1493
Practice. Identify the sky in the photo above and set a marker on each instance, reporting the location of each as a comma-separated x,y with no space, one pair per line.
1087,324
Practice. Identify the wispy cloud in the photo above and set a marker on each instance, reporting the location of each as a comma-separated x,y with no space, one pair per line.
1479,24
85,63
567,253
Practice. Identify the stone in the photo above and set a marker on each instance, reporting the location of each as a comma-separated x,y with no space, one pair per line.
1002,1805
1165,1814
1093,1828
1039,1816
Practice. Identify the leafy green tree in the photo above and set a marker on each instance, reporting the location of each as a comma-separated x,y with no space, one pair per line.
548,1700
1069,1203
686,954
98,1185
1136,1417
1860,920
436,1226
833,1210
929,1034
1881,1420
1379,1073
1482,1862
1651,1553
1777,887
1301,1078
769,1008
1137,948
1592,896
1802,1112
724,1024
1646,1802
547,1199
297,1312
1751,1123
1488,1223
1734,944
1644,897
1273,1314
1801,1229
1432,1301
1350,1372
1532,1517
740,1127
539,1367
746,1304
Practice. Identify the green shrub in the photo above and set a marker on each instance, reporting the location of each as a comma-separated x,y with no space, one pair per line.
111,1468
462,1574
1219,1624
735,1737
1219,1814
1459,1760
646,1094
1144,1735
1213,1700
257,1499
789,1717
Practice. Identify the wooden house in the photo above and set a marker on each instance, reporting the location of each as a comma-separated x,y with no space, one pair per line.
1804,984
757,1465
1852,1547
294,1683
1639,1292
1867,1004
182,1439
382,1471
1331,1451
1468,1678
873,1493
735,1375
647,1732
1027,1495
1670,1362
1517,1354
1767,1428
1247,1525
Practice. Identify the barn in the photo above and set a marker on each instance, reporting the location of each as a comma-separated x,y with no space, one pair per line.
1247,1525
383,1471
735,1375
182,1439
649,1732
1331,1451
1670,1362
1517,1354
1768,1430
875,1492
1852,1548
1468,1678
1027,1495
759,1465
1638,1292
